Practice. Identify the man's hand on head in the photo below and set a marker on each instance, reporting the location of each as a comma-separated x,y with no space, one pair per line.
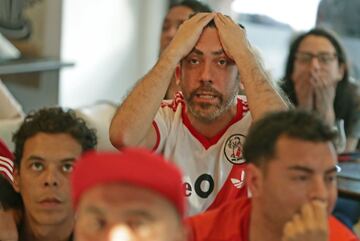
311,224
232,36
187,35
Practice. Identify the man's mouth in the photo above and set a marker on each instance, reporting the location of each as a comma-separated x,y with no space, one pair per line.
205,96
50,202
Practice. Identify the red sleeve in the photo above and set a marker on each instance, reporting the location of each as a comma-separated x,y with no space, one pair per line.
339,232
157,135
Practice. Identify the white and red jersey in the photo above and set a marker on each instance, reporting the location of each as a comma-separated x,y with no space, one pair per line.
213,168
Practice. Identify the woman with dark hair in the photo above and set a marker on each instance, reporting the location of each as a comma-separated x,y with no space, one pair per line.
317,79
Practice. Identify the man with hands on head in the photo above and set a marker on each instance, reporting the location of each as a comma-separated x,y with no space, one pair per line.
291,173
203,128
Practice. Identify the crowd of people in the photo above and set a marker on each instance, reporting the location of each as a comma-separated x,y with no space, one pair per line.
210,148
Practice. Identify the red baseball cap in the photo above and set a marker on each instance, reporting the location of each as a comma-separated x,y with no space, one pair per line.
134,166
6,162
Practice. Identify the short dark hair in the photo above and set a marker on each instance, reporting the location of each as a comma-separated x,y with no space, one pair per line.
259,146
194,5
54,120
287,83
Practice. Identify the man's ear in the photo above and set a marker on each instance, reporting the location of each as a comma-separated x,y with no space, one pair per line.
177,74
254,179
16,183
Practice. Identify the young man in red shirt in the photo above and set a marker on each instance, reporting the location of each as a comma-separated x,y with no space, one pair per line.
291,173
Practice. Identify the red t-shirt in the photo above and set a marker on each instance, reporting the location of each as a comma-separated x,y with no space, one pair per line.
231,223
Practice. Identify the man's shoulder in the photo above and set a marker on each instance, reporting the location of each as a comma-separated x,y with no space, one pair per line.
339,231
224,223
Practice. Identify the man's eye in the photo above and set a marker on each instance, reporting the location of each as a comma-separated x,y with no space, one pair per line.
37,166
330,178
67,167
300,178
95,224
222,62
136,224
193,61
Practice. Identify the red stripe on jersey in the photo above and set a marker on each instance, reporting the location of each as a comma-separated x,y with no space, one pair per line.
6,168
234,187
157,135
173,104
6,163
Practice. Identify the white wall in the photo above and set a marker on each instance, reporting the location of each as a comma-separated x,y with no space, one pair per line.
112,42
273,44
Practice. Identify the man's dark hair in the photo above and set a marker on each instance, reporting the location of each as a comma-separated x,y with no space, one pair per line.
260,144
194,5
54,120
287,82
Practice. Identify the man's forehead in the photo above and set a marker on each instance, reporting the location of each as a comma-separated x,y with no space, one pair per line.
122,192
51,147
292,152
209,42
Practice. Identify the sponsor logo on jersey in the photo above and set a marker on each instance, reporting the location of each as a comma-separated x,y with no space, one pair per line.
233,149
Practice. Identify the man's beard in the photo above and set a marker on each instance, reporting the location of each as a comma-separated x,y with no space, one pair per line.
218,108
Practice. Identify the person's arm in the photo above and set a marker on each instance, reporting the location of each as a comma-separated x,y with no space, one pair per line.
132,123
261,94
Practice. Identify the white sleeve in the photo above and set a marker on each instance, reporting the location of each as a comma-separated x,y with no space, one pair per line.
162,124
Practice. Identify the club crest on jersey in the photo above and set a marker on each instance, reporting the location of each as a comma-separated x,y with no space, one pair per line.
233,149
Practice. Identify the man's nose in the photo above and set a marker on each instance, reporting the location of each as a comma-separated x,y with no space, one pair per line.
51,177
121,233
206,73
319,190
315,63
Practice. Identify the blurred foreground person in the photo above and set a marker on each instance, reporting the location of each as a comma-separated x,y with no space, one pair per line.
129,196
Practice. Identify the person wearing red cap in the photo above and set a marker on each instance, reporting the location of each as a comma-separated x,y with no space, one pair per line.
291,170
128,195
46,146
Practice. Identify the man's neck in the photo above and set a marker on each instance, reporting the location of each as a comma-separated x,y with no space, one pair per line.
263,229
32,231
211,129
